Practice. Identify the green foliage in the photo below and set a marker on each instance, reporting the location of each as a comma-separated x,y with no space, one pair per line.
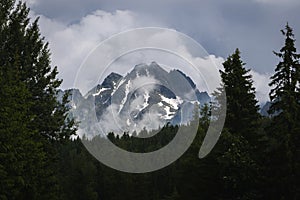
255,158
181,180
285,81
77,172
32,120
252,159
282,167
242,109
236,150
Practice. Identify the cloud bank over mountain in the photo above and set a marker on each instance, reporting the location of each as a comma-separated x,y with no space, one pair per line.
70,45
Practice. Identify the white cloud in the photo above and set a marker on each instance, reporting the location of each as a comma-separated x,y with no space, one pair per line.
167,47
261,82
31,2
70,45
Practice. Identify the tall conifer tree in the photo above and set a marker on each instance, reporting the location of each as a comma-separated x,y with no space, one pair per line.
237,145
32,120
242,109
284,131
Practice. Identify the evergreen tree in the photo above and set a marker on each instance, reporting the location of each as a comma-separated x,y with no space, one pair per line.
32,120
20,154
78,172
284,131
242,109
285,81
236,150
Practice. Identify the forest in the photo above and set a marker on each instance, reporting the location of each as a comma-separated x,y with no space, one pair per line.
256,157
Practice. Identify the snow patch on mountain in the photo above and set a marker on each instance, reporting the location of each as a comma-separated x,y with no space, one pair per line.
127,90
173,102
100,91
169,115
146,97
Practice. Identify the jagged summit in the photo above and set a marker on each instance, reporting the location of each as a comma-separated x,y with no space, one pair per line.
146,97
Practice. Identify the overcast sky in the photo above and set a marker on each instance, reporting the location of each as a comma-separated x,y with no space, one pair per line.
74,27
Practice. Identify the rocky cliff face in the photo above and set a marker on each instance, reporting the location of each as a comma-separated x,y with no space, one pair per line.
147,97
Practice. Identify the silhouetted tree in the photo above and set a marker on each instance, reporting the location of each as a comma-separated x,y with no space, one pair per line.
284,131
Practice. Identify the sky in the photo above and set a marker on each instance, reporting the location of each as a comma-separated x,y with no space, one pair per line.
75,27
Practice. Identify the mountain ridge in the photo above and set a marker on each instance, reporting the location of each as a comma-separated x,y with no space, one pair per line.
146,97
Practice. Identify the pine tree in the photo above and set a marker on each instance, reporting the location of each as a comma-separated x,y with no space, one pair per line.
20,155
284,95
284,131
32,120
237,146
242,109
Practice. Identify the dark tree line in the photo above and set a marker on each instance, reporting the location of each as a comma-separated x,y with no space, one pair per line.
255,158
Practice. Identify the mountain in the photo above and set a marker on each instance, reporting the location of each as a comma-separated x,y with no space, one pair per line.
265,108
146,97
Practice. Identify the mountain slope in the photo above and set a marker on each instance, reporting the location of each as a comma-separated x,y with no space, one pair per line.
146,97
